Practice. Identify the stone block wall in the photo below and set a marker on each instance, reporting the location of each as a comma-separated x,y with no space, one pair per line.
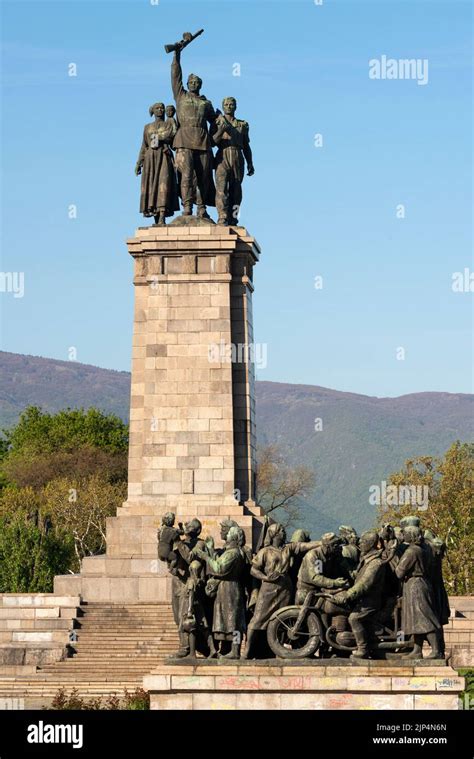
459,632
34,629
192,416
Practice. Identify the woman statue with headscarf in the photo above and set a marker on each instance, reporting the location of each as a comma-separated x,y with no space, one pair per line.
159,190
229,618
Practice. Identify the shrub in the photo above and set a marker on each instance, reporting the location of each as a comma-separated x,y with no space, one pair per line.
138,700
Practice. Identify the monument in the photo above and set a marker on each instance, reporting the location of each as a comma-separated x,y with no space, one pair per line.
192,410
263,622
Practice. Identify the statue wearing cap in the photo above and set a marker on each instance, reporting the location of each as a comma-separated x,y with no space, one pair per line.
321,568
366,594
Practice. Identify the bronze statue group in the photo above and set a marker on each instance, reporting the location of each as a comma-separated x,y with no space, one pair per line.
355,585
176,158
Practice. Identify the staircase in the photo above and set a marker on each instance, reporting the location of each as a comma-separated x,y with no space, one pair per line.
116,645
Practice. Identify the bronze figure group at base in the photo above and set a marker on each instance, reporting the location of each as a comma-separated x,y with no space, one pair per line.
191,130
374,596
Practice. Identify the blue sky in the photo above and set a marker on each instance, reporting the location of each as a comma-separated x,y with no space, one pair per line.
329,211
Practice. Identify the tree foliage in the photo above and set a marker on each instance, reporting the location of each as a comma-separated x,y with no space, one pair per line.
74,507
30,557
61,475
40,432
279,486
450,483
81,506
76,443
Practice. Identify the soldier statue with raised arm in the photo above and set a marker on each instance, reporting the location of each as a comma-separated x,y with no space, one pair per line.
192,141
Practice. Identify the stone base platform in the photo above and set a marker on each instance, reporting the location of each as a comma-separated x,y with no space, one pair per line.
314,684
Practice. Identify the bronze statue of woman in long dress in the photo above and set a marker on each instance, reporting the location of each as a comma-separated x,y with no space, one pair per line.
159,190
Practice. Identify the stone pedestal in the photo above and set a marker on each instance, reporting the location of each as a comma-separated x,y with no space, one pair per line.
311,684
192,414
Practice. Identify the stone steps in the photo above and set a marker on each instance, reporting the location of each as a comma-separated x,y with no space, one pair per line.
110,638
25,625
35,627
116,646
110,644
125,626
85,672
126,653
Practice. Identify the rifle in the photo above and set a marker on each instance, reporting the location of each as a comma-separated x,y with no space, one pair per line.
255,584
230,127
263,534
187,38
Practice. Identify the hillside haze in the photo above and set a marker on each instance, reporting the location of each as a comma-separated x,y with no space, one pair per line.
351,441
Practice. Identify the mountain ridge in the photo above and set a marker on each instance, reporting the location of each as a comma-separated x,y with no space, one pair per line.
358,441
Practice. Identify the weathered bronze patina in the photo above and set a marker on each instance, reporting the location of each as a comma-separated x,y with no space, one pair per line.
192,130
387,606
159,190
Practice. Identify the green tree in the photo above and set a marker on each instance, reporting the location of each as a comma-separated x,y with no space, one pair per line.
61,476
450,483
30,557
38,431
73,442
75,509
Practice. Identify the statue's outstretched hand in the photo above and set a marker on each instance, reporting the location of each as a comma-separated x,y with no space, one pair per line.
138,169
196,553
273,576
250,171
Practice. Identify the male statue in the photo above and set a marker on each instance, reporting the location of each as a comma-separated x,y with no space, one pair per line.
192,141
366,594
232,139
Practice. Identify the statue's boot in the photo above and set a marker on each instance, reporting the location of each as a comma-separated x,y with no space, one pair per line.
161,218
222,220
360,653
234,653
417,652
181,653
441,642
362,650
188,209
248,650
202,212
436,650
212,647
